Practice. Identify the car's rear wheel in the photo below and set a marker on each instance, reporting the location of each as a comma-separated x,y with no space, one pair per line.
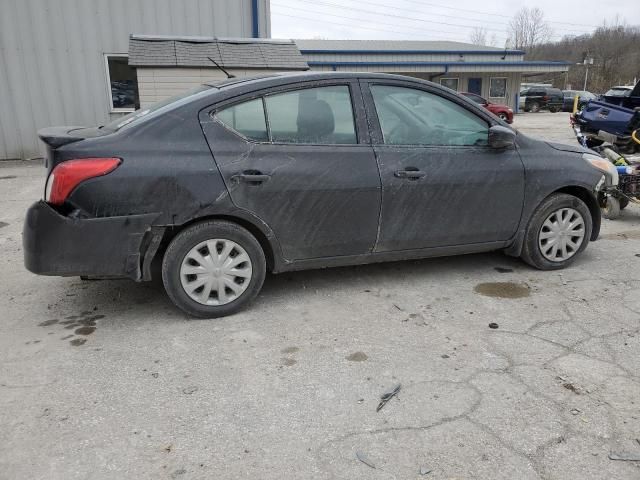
535,107
554,109
213,269
558,231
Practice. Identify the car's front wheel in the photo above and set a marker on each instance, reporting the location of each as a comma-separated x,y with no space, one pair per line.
558,231
213,269
503,116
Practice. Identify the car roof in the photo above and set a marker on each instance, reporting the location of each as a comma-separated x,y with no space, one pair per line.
262,81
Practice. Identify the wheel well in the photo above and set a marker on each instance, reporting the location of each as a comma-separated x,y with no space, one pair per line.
591,201
267,248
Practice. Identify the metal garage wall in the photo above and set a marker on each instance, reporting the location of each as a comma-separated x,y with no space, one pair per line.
52,68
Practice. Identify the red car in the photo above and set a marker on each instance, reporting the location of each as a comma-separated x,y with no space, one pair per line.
502,111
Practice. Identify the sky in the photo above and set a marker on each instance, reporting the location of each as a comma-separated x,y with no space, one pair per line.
437,19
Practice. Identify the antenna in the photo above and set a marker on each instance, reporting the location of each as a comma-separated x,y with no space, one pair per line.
229,75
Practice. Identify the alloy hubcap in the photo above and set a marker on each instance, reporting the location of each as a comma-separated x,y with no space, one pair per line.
215,272
561,235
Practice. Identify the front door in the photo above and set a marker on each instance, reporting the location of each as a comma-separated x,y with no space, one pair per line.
475,86
442,184
300,161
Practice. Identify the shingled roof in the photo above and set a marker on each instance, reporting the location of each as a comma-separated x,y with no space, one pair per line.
160,51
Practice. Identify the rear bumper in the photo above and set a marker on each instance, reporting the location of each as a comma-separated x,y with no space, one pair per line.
57,245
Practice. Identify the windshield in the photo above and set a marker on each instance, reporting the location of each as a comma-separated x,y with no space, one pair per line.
618,92
133,117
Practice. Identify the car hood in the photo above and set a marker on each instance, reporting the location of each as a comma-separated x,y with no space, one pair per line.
567,148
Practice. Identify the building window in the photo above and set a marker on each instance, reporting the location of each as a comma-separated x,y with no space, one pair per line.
451,83
122,83
498,87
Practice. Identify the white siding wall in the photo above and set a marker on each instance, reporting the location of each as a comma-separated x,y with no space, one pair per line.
52,69
157,84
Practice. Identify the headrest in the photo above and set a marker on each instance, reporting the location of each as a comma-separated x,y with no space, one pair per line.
315,121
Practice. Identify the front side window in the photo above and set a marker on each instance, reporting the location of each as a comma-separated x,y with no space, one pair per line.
451,83
247,119
414,117
123,84
320,115
498,87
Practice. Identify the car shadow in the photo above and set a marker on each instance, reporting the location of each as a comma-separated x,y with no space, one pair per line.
148,299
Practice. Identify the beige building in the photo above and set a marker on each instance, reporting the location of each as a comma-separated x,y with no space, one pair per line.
167,66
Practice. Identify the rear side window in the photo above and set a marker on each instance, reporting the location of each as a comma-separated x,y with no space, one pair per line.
247,119
320,115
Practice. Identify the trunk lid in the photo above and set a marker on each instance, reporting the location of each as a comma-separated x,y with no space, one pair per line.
57,137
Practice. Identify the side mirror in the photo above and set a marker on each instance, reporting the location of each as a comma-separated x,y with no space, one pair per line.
501,137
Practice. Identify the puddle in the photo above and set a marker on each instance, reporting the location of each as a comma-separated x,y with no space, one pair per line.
85,330
83,324
357,357
502,289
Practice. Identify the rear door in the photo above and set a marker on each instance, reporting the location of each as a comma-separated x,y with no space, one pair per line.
298,157
442,184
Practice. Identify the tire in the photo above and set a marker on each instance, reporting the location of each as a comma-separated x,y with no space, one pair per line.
535,236
553,109
194,243
624,202
503,117
534,107
612,208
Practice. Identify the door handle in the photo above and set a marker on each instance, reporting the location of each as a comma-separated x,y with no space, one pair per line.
410,174
253,178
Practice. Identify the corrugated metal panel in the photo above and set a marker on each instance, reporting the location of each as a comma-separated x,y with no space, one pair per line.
52,68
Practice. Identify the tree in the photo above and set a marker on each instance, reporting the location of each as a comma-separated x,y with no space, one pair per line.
478,36
528,28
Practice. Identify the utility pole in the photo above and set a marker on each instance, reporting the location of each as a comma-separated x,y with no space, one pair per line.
587,61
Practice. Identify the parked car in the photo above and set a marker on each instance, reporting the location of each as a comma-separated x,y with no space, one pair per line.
624,96
233,180
612,119
619,91
502,111
569,98
542,98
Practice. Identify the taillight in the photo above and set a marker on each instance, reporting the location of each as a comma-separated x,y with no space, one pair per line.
68,175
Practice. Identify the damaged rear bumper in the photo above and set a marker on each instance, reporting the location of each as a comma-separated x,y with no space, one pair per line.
63,246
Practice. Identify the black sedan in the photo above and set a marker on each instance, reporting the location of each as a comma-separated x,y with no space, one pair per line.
568,99
234,180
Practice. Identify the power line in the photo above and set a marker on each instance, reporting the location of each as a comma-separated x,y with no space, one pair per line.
352,26
402,17
357,19
360,11
419,2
